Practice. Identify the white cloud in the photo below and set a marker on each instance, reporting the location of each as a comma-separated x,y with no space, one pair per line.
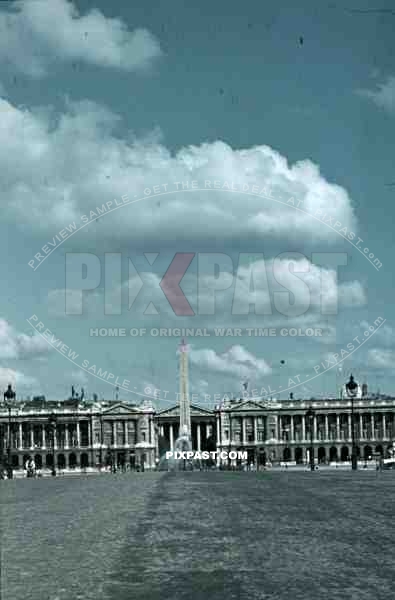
236,361
14,345
383,96
53,173
322,291
381,359
35,34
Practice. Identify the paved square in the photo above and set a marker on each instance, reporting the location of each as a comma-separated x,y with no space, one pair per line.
151,536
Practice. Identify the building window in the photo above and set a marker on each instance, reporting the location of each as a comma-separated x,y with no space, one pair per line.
226,434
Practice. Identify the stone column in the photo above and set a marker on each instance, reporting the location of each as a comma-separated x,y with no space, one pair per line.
360,427
337,427
326,428
90,433
243,425
78,435
199,440
126,432
218,432
372,426
280,428
66,436
31,437
384,427
171,437
292,429
315,428
349,427
114,433
43,440
303,428
20,445
255,430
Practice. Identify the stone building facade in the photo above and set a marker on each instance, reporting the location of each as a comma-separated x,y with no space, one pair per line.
85,435
282,431
90,435
277,432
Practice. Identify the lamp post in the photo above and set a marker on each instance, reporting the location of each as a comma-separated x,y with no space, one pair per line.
9,396
310,415
52,422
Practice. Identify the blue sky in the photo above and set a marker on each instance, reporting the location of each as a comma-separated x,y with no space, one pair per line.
101,101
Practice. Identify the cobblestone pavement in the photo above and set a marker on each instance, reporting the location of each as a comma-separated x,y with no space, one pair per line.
176,536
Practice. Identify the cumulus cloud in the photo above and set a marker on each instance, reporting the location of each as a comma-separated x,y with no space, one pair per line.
383,96
33,35
257,286
253,288
54,171
236,361
14,345
320,288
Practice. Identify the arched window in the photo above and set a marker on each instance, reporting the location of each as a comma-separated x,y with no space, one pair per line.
344,455
321,455
84,461
299,456
72,461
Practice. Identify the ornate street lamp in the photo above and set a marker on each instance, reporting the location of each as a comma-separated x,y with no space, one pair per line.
9,396
352,391
52,423
310,416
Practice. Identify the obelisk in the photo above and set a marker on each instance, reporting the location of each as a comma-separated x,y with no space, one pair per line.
185,408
